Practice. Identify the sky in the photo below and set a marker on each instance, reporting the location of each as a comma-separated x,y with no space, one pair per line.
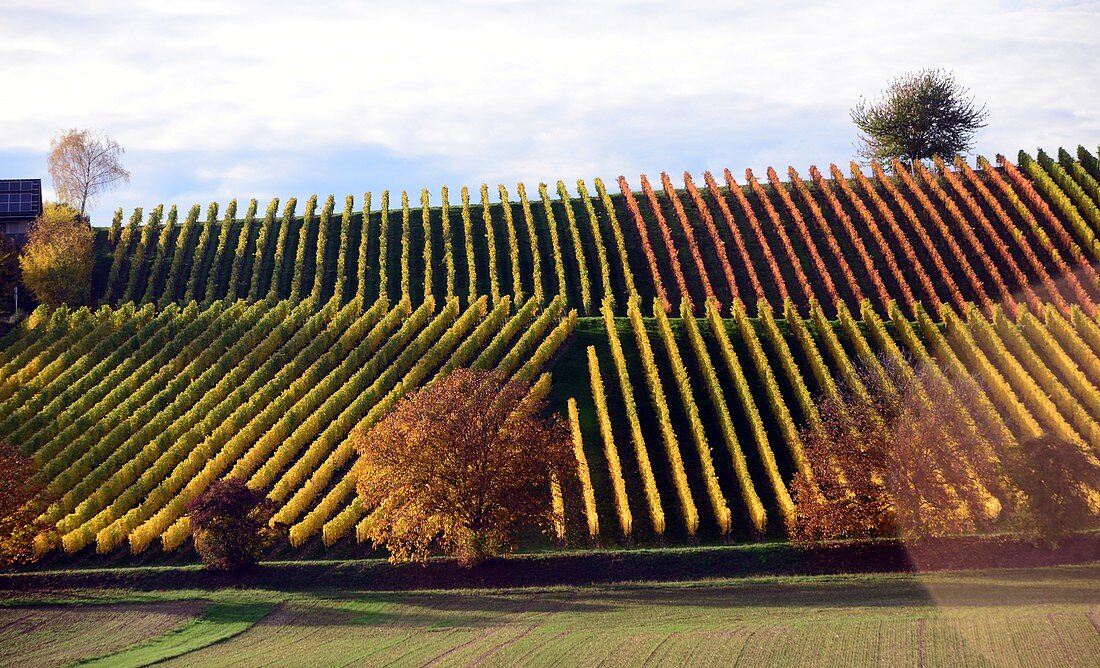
214,100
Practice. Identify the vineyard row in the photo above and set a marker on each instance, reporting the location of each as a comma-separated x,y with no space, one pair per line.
1010,234
131,412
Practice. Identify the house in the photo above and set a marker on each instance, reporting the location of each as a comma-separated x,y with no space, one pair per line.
20,205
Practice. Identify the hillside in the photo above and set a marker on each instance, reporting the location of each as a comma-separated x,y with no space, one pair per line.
255,346
990,234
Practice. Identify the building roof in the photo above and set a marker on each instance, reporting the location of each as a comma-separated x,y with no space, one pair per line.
20,200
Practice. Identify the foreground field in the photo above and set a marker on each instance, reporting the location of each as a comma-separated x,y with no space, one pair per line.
1035,617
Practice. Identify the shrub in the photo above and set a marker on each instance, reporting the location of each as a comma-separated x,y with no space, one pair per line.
230,525
735,189
616,231
21,506
533,240
793,260
460,466
826,232
555,244
804,232
1057,477
643,234
233,289
57,261
263,242
491,244
513,244
884,460
869,223
666,235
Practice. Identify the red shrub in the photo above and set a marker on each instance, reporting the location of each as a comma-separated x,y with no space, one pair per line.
945,232
1038,204
230,524
876,233
689,233
1002,248
946,274
755,224
899,234
792,257
968,233
804,232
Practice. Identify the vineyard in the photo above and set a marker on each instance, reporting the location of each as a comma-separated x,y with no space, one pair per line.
686,333
985,234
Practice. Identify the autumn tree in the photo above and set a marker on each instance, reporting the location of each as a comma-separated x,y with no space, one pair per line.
460,467
21,506
83,165
57,260
1062,484
230,523
919,115
895,453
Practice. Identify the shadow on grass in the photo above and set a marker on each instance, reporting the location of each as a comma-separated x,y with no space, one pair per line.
588,568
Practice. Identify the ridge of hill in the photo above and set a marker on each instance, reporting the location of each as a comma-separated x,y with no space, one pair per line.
986,233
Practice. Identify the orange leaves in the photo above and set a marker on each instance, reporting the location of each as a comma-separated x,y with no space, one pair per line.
647,248
735,189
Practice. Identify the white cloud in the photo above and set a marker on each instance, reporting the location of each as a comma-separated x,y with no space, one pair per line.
497,91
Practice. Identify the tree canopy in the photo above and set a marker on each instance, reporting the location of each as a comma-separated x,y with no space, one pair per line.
22,503
460,467
57,260
230,524
920,115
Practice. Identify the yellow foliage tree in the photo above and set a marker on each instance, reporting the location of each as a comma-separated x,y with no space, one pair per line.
57,261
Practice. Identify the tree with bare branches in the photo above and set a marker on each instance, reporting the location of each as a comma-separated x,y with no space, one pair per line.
84,164
461,467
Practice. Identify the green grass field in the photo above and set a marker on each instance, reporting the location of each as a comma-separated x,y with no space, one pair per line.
1033,617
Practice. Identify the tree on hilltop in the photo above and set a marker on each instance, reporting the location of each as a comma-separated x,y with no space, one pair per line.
919,115
83,165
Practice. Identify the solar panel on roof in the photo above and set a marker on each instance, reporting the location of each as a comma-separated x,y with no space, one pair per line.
20,199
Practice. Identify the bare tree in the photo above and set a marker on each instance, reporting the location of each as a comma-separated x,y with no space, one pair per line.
84,164
920,115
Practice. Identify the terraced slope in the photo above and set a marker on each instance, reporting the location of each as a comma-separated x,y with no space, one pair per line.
983,233
687,428
703,440
130,413
688,335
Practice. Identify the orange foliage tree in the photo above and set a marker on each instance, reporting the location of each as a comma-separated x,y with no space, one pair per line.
460,467
1062,484
21,504
888,460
